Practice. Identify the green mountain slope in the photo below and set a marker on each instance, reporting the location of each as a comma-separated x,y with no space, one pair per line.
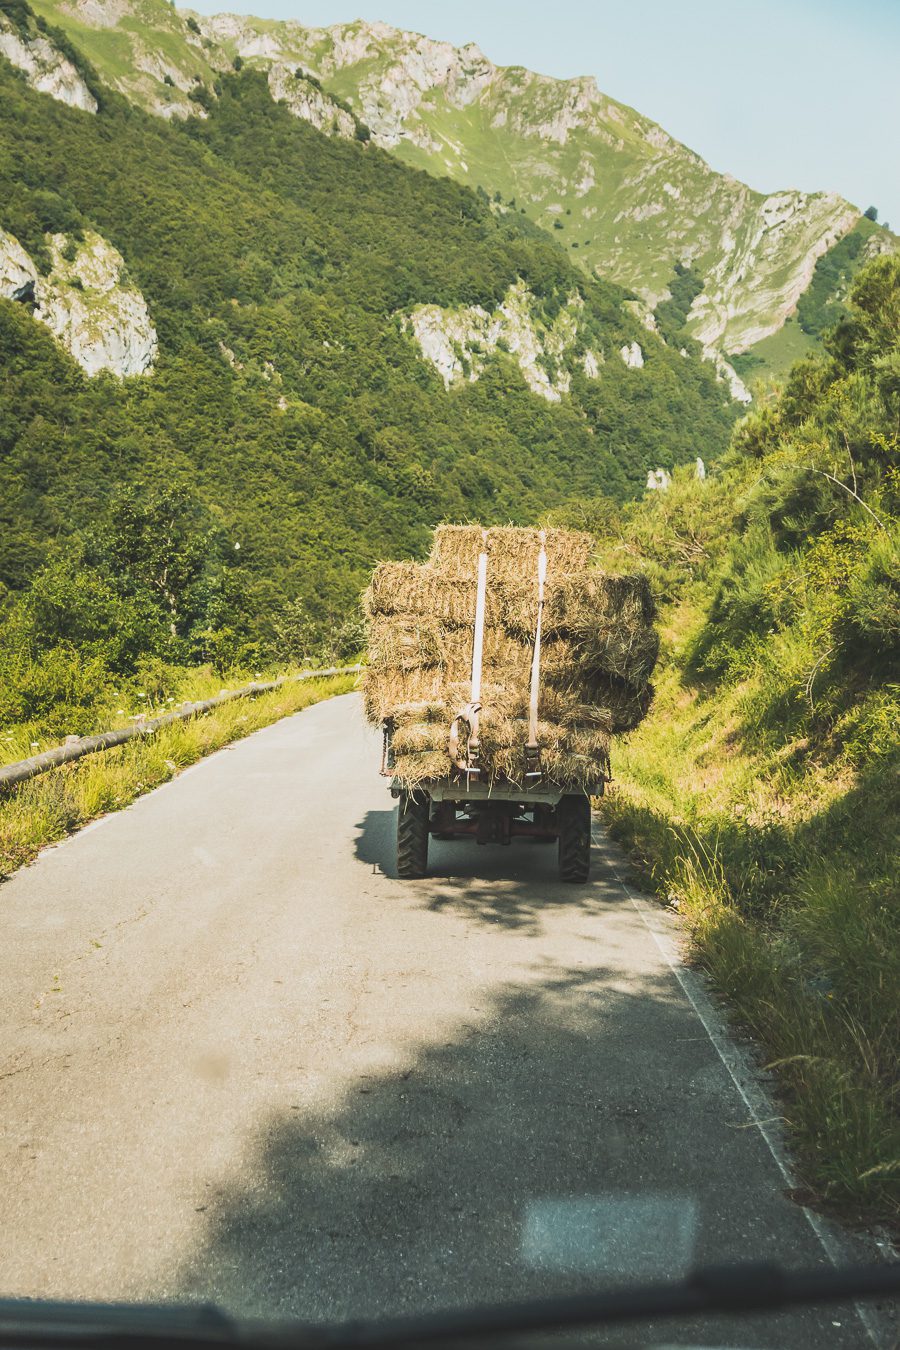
282,419
627,200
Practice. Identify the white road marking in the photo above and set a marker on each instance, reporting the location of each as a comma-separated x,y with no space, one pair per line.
759,1107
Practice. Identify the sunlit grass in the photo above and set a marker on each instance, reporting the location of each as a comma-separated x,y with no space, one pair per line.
778,858
47,808
137,699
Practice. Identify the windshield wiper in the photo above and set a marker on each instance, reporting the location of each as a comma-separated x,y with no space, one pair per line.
740,1289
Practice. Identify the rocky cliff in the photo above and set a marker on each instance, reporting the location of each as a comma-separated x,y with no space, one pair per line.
46,68
86,300
626,200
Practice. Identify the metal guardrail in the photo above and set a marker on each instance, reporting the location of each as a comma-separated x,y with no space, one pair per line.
78,746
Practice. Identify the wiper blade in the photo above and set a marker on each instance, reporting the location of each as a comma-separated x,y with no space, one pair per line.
35,1322
746,1288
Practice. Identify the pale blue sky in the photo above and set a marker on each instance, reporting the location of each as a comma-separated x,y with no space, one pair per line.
796,93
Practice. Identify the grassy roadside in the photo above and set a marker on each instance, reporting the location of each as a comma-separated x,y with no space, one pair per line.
48,808
778,854
761,796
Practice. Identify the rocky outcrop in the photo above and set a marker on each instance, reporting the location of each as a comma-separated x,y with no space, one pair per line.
92,309
18,274
728,375
45,66
86,301
767,258
632,355
459,342
307,101
643,314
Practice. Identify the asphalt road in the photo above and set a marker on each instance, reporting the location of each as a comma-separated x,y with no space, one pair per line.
241,1061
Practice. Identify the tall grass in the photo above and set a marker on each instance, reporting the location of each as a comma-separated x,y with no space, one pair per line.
780,858
48,808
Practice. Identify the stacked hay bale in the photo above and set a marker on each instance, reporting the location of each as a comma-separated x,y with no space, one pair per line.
598,650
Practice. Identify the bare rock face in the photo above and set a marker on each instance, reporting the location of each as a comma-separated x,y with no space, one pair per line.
632,355
731,314
86,301
459,342
93,311
18,274
306,101
728,375
45,67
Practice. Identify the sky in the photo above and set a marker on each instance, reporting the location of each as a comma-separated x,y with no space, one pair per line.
779,93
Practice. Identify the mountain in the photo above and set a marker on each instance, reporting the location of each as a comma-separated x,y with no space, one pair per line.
629,203
241,359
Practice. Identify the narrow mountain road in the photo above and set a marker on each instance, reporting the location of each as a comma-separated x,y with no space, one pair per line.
242,1062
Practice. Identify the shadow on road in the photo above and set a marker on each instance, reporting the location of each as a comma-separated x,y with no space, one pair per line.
431,1185
514,886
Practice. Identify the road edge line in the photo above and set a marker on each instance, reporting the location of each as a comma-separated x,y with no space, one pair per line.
733,1060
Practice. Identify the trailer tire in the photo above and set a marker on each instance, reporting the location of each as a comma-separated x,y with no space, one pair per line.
412,836
574,819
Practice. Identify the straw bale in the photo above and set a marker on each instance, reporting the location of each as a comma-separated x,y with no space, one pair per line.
434,710
606,620
412,588
505,660
629,653
405,643
590,741
571,770
497,699
609,620
584,716
385,689
400,588
456,548
420,767
512,551
408,737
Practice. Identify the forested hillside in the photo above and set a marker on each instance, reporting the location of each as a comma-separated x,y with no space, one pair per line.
290,432
227,505
761,796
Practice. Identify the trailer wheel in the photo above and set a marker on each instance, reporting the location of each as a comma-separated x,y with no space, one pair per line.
412,836
574,820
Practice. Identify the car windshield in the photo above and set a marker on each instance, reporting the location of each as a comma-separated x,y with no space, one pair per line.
448,648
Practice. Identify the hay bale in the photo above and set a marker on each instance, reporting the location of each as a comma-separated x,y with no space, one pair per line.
570,770
496,699
455,550
421,767
407,588
585,716
400,588
405,642
598,649
590,741
609,621
512,551
423,711
385,689
412,738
